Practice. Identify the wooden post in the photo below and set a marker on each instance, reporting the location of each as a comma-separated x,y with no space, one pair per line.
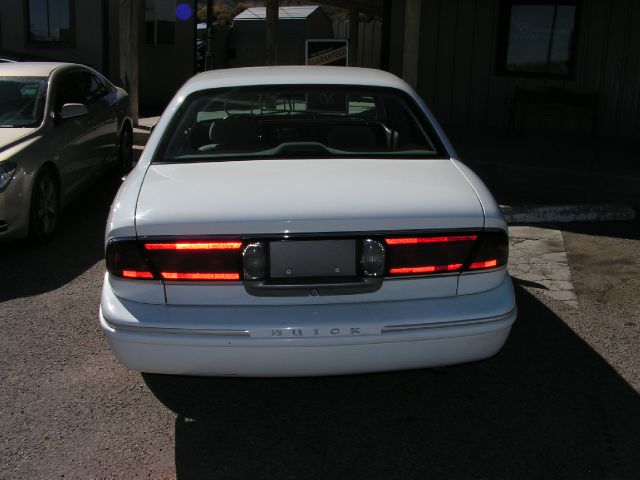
354,33
208,56
272,32
411,50
385,39
128,48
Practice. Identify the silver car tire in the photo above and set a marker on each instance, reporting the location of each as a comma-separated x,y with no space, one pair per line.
44,212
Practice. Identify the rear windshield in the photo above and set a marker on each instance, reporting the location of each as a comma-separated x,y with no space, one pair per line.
22,101
297,122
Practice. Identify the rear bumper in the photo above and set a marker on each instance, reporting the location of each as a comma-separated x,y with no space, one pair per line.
308,340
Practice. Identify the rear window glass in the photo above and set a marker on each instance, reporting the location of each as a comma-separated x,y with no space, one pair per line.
297,122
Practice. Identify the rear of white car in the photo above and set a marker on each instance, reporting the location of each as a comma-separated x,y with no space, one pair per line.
308,229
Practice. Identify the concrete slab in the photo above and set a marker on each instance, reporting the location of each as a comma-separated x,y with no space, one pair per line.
538,260
563,213
147,122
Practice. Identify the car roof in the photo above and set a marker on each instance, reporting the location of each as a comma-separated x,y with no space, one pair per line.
293,75
30,69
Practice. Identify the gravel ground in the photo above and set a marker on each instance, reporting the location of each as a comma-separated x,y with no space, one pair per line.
560,401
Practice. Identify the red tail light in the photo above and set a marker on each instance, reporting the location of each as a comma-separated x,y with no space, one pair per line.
136,274
200,276
126,259
192,260
492,251
222,260
416,240
488,264
194,246
446,253
428,254
425,269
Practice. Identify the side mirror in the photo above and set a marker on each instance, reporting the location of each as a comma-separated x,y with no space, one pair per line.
72,110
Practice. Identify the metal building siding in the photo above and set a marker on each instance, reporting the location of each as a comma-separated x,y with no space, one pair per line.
458,76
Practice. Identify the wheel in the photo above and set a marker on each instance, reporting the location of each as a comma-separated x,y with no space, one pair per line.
125,151
45,207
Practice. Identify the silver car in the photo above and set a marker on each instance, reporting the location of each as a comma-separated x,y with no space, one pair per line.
62,125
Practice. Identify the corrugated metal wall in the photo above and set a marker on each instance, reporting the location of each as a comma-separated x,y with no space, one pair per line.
458,76
369,35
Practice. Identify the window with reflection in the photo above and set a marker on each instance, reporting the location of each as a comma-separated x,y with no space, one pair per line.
538,38
50,21
298,121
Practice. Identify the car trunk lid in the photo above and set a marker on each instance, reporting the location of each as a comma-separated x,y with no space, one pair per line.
305,196
302,199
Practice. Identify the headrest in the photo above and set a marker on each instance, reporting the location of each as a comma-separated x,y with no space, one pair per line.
351,137
234,132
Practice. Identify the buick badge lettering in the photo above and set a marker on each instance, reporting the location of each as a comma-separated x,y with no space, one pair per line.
314,332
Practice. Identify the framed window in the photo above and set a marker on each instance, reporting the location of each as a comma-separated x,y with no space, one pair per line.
50,22
160,22
538,38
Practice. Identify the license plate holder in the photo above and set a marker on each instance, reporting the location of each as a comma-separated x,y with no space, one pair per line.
312,258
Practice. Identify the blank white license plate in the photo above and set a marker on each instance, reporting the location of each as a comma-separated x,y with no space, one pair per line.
312,258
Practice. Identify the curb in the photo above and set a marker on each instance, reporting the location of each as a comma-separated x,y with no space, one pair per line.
601,212
145,123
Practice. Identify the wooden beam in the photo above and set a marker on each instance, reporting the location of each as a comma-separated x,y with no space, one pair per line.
208,56
370,7
411,50
128,15
272,32
354,32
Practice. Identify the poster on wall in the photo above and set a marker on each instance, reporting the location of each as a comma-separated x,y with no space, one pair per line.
327,52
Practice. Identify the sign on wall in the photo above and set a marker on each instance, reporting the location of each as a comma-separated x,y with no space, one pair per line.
327,52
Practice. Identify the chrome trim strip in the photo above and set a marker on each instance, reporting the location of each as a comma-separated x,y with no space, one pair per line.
178,331
321,235
455,323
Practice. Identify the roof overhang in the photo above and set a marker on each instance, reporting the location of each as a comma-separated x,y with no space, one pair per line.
370,7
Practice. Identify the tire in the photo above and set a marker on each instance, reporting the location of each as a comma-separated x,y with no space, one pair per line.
44,212
125,151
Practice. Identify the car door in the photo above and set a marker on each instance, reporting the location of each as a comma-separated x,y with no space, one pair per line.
102,120
70,137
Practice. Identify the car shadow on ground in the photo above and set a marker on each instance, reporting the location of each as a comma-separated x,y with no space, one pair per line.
547,406
628,229
29,269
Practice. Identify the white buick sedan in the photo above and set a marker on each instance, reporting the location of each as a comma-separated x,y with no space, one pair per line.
298,221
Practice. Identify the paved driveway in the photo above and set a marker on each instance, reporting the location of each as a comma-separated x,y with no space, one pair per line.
560,401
